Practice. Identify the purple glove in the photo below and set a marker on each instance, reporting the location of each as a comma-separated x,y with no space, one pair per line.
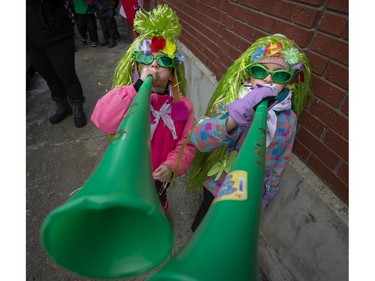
242,110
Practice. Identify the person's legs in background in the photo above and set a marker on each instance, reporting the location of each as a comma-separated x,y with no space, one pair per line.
44,67
112,28
93,29
105,30
81,22
61,55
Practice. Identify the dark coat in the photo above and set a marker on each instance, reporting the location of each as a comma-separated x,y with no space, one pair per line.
47,22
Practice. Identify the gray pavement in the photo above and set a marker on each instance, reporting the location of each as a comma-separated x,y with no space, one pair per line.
61,157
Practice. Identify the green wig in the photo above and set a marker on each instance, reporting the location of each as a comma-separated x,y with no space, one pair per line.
158,31
230,86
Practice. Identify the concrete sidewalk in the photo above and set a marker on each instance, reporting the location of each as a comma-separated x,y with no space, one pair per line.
61,157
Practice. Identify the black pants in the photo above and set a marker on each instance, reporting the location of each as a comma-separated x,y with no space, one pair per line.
56,64
162,193
86,23
206,203
109,27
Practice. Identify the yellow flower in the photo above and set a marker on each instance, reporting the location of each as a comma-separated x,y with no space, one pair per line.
169,49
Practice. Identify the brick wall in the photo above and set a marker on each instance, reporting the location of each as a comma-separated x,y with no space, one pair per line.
218,31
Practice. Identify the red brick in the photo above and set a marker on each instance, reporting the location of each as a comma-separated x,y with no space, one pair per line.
228,22
257,4
336,184
333,23
312,123
318,63
345,105
244,44
337,74
337,143
301,151
331,47
317,147
222,68
339,5
234,53
299,35
343,172
222,5
279,8
306,16
236,11
313,2
259,20
327,91
208,44
345,32
212,13
225,59
213,68
332,117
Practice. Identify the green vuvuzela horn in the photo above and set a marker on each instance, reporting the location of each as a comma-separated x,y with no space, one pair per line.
114,226
224,246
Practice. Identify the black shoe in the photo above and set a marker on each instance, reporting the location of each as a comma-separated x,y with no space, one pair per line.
83,41
79,115
104,43
112,43
63,110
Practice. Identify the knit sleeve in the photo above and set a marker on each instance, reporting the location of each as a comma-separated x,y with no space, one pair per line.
110,110
211,133
272,185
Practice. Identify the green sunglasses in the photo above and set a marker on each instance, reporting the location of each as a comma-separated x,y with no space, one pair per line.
163,61
281,76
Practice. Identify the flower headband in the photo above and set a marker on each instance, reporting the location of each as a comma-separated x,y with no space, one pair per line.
159,44
290,55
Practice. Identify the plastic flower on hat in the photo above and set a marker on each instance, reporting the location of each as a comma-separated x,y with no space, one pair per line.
170,49
157,43
291,56
179,57
258,54
144,46
274,49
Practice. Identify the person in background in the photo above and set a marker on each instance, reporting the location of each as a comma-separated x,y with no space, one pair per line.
86,21
171,113
106,10
50,48
127,11
275,68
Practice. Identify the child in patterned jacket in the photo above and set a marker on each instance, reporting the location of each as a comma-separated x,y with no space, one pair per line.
274,68
171,113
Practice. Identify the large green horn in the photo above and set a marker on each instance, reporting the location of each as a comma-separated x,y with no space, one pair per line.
114,226
224,246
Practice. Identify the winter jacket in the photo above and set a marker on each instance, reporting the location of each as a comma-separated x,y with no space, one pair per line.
47,22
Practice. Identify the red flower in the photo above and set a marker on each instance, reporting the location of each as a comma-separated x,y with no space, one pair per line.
157,43
274,49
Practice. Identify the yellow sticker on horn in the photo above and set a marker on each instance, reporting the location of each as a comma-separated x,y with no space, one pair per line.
234,187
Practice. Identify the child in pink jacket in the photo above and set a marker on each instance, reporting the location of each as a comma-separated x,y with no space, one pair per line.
171,113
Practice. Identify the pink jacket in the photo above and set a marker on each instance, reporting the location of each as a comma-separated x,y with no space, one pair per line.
110,111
